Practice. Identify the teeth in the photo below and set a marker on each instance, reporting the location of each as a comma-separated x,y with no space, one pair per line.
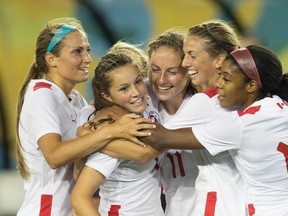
138,101
85,70
163,87
192,72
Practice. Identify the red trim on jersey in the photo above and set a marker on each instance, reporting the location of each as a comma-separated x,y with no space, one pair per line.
211,92
283,148
46,205
170,157
157,166
180,163
210,203
39,85
114,210
251,210
250,110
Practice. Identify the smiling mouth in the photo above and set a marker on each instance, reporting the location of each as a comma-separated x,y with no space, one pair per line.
192,72
163,87
138,101
84,69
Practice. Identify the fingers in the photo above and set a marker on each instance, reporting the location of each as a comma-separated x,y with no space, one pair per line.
138,142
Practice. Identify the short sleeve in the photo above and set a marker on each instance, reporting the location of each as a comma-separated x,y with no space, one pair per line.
44,115
221,134
198,110
102,163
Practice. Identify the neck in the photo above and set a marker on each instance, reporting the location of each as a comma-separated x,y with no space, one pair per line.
66,89
171,107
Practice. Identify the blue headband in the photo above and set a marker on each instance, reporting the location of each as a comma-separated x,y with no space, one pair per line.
59,35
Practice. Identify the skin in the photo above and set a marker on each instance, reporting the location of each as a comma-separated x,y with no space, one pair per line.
233,89
127,90
71,67
201,66
168,78
66,70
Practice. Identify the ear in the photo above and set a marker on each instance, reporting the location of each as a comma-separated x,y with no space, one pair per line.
252,86
50,59
219,60
107,97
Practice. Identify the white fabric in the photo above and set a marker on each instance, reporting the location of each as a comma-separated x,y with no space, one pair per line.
261,156
85,114
178,173
47,110
217,173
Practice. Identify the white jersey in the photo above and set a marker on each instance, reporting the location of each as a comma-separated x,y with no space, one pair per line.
219,186
130,188
46,109
262,156
178,173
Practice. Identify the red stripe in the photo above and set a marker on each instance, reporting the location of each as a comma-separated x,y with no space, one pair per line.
114,210
250,110
210,204
211,92
39,85
170,157
251,210
180,163
46,205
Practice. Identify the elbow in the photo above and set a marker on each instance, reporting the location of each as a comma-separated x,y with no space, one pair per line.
145,157
54,162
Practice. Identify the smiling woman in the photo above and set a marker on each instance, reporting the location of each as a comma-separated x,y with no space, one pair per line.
126,187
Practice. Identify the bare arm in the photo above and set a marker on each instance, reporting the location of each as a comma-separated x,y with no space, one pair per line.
58,153
81,198
129,151
162,137
123,149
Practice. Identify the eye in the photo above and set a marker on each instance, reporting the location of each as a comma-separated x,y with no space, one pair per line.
155,69
192,55
139,80
77,51
123,89
173,71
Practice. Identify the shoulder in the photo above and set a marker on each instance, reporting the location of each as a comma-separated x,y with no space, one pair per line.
41,91
211,92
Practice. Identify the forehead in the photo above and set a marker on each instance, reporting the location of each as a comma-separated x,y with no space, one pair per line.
76,39
124,74
229,67
194,43
164,53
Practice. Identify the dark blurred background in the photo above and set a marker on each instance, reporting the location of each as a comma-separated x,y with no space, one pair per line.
107,21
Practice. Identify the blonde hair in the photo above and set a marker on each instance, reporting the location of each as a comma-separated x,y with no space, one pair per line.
137,55
220,35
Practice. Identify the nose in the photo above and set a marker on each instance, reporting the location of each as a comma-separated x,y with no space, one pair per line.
219,83
163,77
86,57
134,91
186,61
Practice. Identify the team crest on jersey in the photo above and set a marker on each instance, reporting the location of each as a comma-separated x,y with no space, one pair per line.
154,115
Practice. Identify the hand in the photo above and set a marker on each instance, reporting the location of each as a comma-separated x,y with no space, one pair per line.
158,135
131,126
115,112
